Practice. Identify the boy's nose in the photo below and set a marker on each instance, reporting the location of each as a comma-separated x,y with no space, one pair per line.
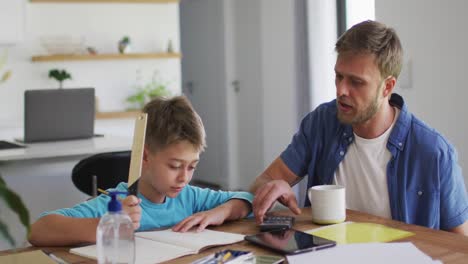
184,176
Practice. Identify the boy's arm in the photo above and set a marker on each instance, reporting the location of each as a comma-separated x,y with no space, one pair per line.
235,209
59,230
231,210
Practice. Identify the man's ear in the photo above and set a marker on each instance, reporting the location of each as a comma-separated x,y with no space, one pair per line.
389,84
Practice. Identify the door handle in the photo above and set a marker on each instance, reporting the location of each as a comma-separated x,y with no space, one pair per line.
236,85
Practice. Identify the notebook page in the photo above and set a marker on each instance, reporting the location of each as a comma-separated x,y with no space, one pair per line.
192,239
146,252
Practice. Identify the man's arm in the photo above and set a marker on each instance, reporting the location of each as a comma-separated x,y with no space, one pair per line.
59,230
274,184
461,229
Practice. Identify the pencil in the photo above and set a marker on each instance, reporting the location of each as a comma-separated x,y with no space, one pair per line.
226,257
103,191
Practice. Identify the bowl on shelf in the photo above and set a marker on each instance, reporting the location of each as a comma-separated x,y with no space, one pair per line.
63,44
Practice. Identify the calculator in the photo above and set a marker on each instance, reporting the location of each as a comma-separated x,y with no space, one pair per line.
276,222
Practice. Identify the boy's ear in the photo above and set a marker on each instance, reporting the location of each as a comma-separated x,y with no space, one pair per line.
145,154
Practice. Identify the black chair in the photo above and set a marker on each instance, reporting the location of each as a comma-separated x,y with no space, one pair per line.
109,168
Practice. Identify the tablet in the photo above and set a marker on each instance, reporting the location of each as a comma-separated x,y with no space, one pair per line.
290,241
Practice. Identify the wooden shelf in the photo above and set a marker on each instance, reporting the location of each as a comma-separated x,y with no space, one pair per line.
87,57
107,1
114,115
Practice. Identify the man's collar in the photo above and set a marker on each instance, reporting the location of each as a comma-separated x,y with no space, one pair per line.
402,124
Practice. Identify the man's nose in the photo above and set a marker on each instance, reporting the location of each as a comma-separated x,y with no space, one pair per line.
342,88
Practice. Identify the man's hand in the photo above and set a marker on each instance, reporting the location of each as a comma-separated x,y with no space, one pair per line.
131,206
270,192
214,216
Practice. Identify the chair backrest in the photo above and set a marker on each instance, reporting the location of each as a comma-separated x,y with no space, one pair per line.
109,168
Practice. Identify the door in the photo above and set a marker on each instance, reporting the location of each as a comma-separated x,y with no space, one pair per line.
202,46
221,73
249,95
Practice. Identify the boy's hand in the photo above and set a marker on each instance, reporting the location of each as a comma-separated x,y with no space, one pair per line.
131,206
214,216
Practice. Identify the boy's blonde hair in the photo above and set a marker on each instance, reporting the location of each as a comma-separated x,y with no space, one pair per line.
172,120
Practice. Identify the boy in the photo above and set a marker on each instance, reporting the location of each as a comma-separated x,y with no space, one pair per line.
175,137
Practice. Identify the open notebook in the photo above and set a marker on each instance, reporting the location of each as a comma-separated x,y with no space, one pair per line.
159,246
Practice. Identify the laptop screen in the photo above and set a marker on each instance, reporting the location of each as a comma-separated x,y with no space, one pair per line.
58,114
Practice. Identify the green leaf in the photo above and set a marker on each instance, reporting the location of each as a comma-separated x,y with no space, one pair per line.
15,203
6,234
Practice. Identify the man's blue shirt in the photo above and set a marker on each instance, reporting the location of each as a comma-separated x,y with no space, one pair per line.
425,182
191,200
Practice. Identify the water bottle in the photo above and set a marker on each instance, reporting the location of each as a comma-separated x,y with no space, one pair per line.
115,236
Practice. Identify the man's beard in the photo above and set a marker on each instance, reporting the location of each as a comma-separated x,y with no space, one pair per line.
361,116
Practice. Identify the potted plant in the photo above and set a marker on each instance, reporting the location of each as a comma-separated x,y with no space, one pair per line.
60,76
124,45
145,93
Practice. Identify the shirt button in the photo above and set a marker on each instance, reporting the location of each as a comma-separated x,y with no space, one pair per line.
341,153
400,144
350,139
344,134
420,193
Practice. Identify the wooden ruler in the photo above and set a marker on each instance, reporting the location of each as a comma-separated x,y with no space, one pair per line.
137,153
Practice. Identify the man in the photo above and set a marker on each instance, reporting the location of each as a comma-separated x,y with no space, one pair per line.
391,163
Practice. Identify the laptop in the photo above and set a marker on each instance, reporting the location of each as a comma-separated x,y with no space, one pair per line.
58,114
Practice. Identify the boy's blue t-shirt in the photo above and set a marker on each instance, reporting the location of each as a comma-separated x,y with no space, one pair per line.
191,200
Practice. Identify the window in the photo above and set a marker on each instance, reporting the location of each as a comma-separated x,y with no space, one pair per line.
351,12
359,10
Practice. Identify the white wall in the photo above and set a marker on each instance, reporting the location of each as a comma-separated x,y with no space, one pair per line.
433,34
150,26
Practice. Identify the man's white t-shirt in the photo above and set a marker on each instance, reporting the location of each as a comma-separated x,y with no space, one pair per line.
363,172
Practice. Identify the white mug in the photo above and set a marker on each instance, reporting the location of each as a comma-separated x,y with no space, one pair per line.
327,203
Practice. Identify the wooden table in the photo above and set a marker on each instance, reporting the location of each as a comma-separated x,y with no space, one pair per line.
441,245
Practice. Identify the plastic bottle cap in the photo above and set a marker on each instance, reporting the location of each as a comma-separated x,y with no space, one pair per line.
114,204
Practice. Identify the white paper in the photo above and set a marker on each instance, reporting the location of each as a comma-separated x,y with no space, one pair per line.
382,253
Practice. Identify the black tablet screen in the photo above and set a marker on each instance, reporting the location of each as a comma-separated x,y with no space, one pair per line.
290,241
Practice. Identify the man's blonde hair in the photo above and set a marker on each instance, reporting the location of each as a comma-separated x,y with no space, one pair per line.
371,37
172,120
